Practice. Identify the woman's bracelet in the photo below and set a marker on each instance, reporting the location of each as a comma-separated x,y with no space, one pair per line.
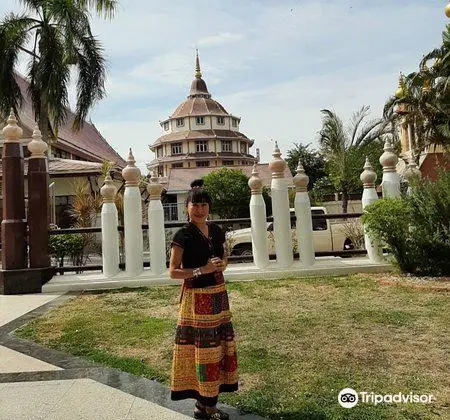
196,272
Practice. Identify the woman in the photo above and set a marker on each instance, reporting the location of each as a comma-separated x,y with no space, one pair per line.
204,359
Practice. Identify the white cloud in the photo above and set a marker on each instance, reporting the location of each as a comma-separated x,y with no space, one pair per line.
275,64
219,40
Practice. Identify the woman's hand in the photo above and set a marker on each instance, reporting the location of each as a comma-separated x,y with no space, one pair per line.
210,267
220,264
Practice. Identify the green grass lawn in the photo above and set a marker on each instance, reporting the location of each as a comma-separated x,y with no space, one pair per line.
300,341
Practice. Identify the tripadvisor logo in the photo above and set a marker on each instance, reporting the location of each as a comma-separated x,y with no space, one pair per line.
348,398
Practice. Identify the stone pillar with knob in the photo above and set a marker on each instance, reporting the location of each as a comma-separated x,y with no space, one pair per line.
390,184
14,224
368,177
302,206
15,276
156,232
110,234
412,174
38,201
281,212
258,221
132,215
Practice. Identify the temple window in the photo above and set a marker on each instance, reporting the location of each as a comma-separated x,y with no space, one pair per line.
201,146
176,149
226,146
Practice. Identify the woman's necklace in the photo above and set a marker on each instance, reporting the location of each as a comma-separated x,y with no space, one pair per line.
206,237
204,229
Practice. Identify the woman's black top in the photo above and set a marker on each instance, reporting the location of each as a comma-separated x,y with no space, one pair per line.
197,249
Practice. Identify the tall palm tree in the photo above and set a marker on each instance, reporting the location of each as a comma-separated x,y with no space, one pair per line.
424,98
60,38
344,148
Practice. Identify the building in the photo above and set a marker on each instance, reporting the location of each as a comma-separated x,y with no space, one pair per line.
200,133
74,157
197,138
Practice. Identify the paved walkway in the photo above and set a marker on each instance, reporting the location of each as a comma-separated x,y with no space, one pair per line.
37,383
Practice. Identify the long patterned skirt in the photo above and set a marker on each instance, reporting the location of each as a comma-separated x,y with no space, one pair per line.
204,357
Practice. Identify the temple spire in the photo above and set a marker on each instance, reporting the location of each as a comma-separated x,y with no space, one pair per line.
198,73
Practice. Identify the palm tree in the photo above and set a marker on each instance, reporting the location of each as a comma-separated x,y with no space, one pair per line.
423,98
61,38
344,148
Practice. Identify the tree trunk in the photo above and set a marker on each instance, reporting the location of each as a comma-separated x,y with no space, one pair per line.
344,201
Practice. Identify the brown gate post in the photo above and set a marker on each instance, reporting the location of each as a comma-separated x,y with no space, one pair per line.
15,277
14,223
38,205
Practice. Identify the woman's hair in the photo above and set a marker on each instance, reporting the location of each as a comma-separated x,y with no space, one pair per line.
197,194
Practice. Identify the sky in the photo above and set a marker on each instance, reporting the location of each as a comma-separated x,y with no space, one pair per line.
274,63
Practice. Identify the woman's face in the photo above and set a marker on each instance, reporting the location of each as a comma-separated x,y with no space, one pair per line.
198,212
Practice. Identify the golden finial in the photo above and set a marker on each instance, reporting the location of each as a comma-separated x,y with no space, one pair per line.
447,10
400,92
198,73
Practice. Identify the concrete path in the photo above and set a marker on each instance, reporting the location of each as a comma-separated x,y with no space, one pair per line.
324,266
43,384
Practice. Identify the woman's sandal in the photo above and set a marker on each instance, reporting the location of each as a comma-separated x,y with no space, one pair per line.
200,412
218,415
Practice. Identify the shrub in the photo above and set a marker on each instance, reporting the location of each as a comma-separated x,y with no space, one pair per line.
70,245
416,228
388,220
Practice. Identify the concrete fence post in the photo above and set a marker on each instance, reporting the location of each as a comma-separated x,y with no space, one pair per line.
132,209
110,234
156,232
411,174
258,221
280,209
302,206
390,184
369,195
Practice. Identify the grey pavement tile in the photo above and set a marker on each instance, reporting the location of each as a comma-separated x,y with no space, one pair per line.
31,401
146,410
13,361
90,400
14,306
33,384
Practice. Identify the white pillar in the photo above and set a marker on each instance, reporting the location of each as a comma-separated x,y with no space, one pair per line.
368,177
280,210
411,174
302,205
132,215
156,232
390,184
110,234
258,221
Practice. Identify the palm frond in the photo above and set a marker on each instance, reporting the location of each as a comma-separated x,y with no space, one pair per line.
356,120
91,78
332,135
13,36
372,130
106,8
52,75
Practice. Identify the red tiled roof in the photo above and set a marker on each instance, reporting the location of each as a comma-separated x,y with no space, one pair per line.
68,167
200,135
87,143
181,178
